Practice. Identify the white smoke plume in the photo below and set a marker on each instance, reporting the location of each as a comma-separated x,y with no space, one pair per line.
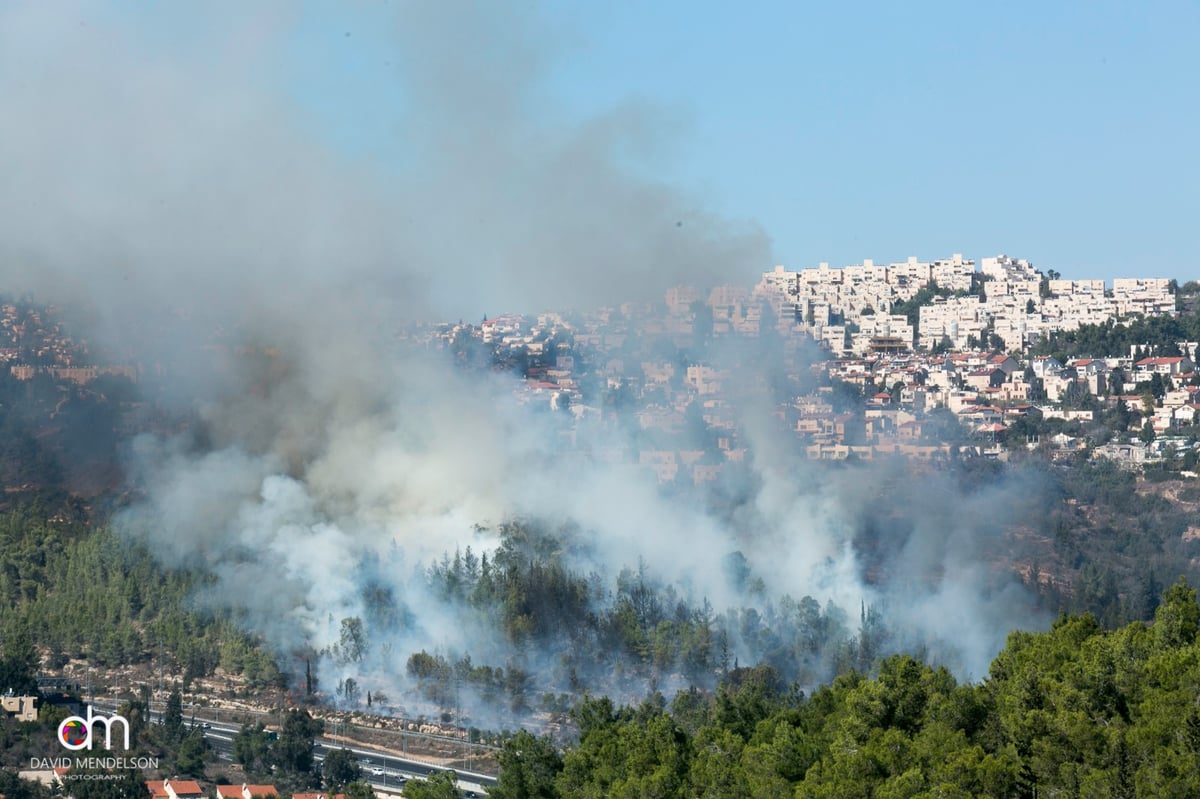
149,183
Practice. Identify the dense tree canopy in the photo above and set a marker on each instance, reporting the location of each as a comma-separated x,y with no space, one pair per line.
1153,335
440,785
340,769
1075,711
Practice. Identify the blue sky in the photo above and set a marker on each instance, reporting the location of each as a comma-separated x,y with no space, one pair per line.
1062,132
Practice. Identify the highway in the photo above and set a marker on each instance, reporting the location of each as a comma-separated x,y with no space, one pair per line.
382,770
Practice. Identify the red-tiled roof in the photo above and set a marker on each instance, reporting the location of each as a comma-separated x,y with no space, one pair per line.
158,788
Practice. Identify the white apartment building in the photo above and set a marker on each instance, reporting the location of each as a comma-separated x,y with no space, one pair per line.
954,274
1149,296
824,300
1003,269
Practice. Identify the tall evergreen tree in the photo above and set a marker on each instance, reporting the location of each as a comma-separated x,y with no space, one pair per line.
172,719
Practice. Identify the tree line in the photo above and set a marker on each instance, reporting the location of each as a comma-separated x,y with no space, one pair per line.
1074,711
75,591
1144,336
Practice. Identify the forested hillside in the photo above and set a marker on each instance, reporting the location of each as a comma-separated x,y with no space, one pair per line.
1087,540
1091,542
771,694
1075,711
75,592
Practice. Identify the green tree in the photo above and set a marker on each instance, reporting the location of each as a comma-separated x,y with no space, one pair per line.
716,770
529,766
1177,620
656,753
745,698
643,753
340,769
780,754
191,755
293,752
360,790
137,713
352,645
172,718
19,662
100,784
1158,386
13,787
251,748
911,309
440,785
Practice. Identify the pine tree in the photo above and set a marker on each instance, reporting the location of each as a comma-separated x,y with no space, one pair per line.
172,719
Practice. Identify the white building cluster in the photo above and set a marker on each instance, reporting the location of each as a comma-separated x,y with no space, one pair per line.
1005,302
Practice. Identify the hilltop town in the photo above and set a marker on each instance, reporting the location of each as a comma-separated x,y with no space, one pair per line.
924,360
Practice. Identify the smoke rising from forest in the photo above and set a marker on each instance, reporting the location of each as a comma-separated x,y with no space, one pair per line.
329,463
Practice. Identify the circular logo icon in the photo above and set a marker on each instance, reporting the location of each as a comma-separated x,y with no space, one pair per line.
73,734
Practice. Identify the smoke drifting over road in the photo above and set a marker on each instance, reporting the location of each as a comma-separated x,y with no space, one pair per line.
150,179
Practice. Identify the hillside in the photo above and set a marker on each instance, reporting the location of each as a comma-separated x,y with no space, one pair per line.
1075,711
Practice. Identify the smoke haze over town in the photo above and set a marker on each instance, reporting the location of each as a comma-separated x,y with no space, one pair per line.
284,293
